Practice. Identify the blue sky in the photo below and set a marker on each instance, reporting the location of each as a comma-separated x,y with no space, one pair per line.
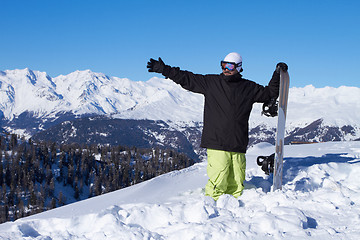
319,40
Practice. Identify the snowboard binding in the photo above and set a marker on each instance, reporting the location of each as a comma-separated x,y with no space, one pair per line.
270,108
267,163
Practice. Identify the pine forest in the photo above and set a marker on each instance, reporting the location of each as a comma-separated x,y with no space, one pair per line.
38,176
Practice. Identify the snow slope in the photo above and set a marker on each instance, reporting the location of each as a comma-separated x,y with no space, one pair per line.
320,199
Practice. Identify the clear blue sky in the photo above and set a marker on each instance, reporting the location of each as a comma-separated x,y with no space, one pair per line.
319,40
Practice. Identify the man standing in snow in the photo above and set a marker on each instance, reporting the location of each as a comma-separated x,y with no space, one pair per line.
228,102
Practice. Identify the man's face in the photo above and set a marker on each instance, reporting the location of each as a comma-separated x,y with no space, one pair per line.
229,68
227,72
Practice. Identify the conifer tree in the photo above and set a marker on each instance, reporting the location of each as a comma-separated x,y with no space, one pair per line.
62,199
76,192
1,174
53,203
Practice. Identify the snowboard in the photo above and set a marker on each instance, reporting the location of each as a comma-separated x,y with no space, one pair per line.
280,130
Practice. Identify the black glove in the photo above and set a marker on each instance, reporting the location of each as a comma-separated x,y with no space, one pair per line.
156,66
281,66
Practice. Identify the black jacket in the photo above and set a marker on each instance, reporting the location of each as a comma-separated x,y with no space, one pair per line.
228,103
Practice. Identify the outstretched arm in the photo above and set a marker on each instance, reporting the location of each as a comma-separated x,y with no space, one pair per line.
188,80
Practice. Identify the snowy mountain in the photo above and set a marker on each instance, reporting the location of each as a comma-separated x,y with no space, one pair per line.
86,92
32,101
125,132
320,200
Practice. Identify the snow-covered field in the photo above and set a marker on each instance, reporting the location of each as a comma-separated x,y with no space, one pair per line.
320,200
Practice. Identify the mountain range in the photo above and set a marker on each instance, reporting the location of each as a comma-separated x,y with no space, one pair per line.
33,104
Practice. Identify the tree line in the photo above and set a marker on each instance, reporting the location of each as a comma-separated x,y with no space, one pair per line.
38,176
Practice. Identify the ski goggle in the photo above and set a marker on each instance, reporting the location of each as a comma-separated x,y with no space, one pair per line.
229,65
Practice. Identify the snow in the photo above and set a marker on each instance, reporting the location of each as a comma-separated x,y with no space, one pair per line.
320,199
85,91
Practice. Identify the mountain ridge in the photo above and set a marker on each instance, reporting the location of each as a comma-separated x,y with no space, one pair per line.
32,101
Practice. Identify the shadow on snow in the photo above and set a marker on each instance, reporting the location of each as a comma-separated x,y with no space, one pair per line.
293,167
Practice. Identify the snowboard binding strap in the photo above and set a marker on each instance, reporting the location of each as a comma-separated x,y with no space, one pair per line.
267,163
270,108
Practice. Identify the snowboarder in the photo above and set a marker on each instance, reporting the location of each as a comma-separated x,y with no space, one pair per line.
228,102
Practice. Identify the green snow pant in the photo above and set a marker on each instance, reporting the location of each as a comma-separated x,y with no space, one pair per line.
226,172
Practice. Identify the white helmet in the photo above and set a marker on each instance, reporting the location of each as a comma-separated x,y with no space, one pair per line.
234,58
